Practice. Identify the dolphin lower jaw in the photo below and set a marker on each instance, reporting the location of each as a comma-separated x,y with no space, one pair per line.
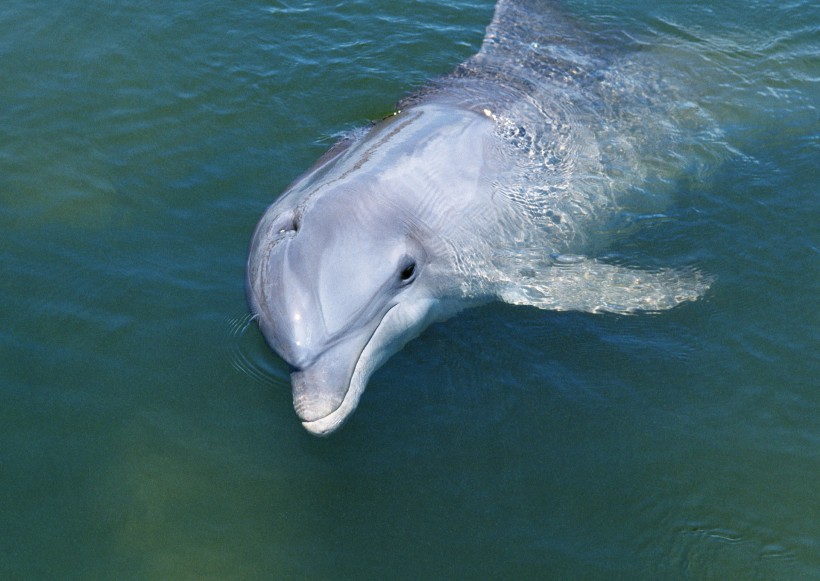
402,323
324,407
375,353
321,388
335,418
316,394
327,392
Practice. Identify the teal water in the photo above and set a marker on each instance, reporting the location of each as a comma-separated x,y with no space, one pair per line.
146,431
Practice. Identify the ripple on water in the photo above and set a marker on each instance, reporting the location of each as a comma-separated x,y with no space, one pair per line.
251,356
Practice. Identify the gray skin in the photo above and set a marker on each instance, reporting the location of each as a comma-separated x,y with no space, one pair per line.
493,184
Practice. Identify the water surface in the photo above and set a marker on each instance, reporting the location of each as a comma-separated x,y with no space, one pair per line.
146,431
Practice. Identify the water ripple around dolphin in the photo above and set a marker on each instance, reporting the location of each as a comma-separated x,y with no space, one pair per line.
249,354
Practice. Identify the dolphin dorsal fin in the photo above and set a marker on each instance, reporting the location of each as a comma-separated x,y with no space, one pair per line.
530,42
523,28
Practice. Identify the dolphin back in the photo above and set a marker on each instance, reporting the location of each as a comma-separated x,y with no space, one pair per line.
529,40
595,131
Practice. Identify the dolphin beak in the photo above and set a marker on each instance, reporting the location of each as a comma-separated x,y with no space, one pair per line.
317,392
327,390
323,402
318,395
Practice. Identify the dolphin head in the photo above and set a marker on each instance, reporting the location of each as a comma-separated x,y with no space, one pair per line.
357,257
337,289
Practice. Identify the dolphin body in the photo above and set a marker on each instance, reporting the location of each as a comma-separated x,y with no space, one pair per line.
498,182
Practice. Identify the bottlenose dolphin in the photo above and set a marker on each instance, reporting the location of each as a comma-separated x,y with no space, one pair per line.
498,182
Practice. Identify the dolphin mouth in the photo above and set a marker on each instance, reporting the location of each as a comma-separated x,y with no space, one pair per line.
328,424
323,411
317,392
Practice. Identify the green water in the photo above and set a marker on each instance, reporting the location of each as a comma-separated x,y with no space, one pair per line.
146,431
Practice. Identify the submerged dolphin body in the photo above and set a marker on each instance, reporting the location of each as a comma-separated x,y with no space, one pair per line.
495,183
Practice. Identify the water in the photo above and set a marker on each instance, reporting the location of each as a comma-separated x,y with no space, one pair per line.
147,432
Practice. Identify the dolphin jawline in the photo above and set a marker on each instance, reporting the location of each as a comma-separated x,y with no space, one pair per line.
334,420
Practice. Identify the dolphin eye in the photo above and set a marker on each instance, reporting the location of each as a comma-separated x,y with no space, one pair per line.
408,272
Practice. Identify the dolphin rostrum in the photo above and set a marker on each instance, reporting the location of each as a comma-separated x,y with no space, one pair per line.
499,182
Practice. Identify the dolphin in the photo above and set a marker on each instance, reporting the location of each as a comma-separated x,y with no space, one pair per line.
502,181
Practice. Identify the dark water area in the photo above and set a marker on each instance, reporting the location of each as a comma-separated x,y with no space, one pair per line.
146,430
